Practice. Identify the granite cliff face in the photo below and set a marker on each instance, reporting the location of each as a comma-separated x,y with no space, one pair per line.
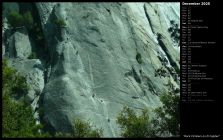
105,56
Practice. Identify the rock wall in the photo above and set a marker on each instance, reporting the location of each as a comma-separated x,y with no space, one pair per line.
107,56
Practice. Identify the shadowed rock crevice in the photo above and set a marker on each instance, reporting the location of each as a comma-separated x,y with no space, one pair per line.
164,47
148,18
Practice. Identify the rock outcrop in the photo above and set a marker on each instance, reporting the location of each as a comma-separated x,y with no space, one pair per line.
107,56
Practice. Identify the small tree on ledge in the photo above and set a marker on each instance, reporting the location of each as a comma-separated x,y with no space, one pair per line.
60,23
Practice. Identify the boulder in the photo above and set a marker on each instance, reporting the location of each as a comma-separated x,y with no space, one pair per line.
19,45
34,77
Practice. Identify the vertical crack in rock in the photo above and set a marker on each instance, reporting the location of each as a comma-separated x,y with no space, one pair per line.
163,46
148,18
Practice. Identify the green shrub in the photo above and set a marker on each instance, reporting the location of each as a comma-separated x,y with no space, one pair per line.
161,72
32,56
28,19
167,117
165,123
8,74
18,120
60,22
81,130
133,126
19,85
15,19
12,80
174,31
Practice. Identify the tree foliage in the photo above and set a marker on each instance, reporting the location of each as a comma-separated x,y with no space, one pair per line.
167,120
174,31
81,129
28,19
60,22
32,56
18,120
133,126
16,19
13,81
